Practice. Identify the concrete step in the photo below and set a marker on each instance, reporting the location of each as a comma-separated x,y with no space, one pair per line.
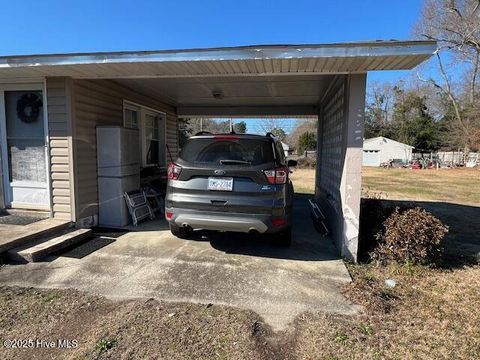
41,250
15,237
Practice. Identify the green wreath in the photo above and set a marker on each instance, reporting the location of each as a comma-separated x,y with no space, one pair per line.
28,107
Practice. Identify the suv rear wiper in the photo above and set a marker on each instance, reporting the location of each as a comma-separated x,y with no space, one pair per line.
241,162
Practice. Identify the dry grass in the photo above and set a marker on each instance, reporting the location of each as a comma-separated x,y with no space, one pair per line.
430,314
303,181
460,186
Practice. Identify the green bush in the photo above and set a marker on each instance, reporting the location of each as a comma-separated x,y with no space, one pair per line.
411,236
306,141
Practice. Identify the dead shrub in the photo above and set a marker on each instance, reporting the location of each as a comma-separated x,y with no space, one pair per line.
412,236
306,163
373,213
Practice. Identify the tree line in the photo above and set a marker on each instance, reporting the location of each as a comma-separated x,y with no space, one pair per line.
191,126
437,108
440,110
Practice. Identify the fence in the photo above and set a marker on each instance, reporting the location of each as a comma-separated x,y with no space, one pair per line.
449,157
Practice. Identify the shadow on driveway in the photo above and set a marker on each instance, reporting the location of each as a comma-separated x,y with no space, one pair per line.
220,268
307,243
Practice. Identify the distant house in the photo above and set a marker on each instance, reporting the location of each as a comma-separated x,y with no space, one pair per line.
380,149
286,149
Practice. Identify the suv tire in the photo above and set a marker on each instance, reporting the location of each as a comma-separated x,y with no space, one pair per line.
180,232
285,237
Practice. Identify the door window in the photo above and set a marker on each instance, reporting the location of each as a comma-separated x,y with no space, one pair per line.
25,136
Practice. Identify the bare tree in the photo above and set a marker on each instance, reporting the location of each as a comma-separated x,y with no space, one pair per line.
301,127
270,124
455,25
378,111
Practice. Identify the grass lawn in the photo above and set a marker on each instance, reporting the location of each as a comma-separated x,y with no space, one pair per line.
460,186
303,181
430,313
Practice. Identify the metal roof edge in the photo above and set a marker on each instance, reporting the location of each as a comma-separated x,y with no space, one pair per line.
353,49
388,139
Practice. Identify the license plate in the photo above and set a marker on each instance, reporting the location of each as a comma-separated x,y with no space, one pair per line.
220,184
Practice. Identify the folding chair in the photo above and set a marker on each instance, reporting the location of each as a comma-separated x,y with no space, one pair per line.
138,206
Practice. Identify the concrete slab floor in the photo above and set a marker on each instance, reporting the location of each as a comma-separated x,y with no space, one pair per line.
218,268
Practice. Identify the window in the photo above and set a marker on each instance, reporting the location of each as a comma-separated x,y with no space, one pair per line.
151,139
280,152
211,151
131,114
152,132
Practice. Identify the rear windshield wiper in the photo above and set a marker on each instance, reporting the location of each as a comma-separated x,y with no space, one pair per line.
233,162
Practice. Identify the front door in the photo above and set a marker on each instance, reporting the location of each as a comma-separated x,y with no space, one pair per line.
24,151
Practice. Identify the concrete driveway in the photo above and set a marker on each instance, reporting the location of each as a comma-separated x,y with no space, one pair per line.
218,268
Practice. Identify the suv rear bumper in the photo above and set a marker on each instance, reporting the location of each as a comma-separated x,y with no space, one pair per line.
235,222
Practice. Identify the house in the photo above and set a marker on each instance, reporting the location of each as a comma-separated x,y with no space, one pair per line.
286,149
52,105
380,150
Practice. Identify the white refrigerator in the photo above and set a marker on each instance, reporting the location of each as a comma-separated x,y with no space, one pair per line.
118,166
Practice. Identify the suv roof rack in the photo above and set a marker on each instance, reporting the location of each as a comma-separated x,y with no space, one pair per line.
203,133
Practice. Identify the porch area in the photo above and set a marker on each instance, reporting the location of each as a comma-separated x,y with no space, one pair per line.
19,225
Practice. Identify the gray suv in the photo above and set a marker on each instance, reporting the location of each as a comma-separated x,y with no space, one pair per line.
230,182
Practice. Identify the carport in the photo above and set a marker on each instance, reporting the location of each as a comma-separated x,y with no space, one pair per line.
328,81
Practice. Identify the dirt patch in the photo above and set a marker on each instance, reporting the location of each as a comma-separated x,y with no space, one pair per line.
136,329
429,314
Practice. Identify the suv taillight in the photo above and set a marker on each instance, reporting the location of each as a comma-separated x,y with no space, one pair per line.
277,176
173,171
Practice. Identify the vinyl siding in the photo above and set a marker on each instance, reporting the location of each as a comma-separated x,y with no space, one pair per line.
100,102
172,136
60,141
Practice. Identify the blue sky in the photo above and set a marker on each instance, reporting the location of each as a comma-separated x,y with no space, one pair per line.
33,27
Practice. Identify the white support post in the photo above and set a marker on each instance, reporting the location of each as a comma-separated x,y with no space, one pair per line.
350,186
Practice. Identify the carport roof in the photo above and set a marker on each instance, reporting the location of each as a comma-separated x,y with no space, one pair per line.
340,58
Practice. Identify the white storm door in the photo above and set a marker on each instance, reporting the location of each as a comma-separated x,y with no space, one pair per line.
24,149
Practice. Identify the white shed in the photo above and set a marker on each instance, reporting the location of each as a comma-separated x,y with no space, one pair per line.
380,149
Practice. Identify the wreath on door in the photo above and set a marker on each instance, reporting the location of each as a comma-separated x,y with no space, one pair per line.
28,107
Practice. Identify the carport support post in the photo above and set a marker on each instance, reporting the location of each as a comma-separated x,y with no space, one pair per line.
2,199
351,182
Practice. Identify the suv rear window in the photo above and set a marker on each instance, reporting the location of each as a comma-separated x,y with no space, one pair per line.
232,151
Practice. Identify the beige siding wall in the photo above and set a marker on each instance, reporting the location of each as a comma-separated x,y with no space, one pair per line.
100,102
61,154
172,136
